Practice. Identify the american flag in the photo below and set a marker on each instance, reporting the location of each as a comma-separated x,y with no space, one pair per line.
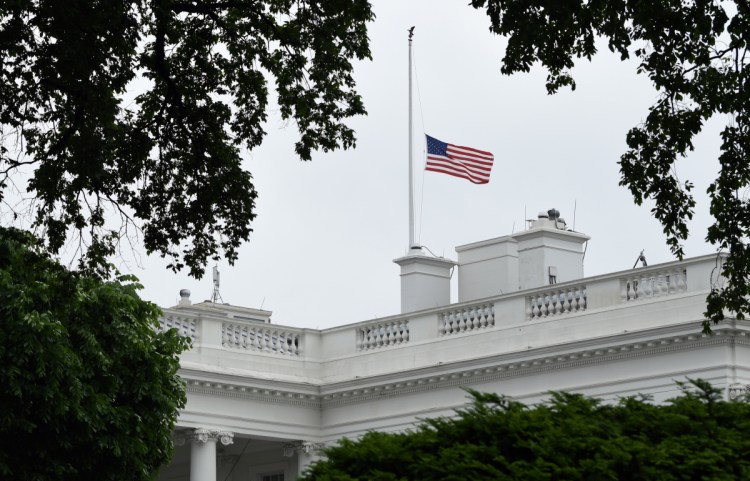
465,162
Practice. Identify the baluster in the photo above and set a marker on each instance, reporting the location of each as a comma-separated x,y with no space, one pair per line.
283,344
552,303
624,285
473,319
632,292
562,296
681,281
243,338
663,287
545,305
571,300
484,316
647,285
368,337
585,298
578,299
491,308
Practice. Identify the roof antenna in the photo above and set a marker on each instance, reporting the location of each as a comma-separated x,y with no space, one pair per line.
641,258
215,296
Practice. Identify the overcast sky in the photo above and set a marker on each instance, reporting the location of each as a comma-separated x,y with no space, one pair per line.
327,230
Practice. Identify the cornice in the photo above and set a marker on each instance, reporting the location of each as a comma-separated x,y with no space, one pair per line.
449,375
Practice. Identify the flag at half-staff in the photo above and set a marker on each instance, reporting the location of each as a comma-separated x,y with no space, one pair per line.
467,163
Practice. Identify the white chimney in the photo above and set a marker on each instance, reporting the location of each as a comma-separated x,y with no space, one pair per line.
487,268
546,253
425,281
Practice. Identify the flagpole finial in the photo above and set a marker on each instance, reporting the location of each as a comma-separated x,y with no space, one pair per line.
411,32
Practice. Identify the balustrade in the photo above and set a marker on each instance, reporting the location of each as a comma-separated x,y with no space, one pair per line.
465,319
382,334
651,284
185,326
265,339
556,302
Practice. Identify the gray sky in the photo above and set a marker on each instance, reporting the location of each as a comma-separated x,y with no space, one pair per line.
327,230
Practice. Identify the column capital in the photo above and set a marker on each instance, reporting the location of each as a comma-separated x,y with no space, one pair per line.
301,447
737,390
202,436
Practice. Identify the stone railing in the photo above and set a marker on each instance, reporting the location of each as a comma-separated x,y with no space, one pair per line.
186,326
555,302
648,284
382,334
470,318
448,325
275,339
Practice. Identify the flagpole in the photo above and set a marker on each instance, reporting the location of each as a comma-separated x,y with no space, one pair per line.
411,155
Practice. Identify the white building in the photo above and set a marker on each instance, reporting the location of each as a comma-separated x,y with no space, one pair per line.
263,398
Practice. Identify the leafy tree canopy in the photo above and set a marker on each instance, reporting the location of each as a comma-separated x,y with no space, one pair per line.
89,386
169,162
696,54
571,437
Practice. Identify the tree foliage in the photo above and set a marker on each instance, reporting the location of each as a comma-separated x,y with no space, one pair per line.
169,161
696,54
89,386
571,437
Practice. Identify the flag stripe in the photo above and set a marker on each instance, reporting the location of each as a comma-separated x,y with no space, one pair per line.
471,152
470,160
478,169
457,174
448,164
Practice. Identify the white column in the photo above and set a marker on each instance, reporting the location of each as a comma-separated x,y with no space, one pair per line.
203,453
306,451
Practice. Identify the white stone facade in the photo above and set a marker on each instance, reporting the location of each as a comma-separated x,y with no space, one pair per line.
277,394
